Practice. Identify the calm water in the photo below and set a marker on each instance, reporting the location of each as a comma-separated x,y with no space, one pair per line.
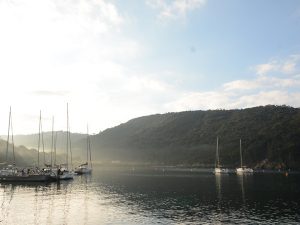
126,196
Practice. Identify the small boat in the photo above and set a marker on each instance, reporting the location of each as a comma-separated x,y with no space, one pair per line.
64,174
83,169
86,168
218,169
221,170
243,169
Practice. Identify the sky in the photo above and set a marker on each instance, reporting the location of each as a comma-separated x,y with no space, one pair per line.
115,60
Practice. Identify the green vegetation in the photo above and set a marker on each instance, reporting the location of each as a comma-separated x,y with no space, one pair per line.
270,137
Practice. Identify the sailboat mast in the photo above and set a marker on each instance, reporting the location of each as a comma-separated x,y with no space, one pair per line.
12,140
38,164
87,144
67,135
55,148
43,145
70,146
90,152
52,142
217,154
7,143
241,153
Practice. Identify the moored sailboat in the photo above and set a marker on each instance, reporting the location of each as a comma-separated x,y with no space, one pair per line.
63,172
11,173
86,167
243,169
218,169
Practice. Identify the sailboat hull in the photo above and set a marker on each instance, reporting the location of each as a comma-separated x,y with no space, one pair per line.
67,176
25,178
220,171
244,170
83,170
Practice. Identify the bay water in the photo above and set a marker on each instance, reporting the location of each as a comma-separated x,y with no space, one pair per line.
155,196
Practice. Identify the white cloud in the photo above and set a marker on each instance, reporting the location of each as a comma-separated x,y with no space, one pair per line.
169,10
241,85
262,82
264,89
199,100
53,52
286,66
263,69
221,99
275,97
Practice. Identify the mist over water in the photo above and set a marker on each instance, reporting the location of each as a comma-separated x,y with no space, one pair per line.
154,196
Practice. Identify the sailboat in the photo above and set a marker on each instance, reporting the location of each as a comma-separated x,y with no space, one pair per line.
63,172
218,169
14,174
50,168
243,169
86,167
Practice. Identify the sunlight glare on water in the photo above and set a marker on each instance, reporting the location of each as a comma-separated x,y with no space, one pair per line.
125,196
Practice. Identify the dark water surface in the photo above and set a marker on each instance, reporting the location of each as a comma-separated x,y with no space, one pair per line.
139,196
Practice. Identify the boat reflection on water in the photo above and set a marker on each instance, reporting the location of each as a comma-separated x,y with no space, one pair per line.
152,197
61,202
244,180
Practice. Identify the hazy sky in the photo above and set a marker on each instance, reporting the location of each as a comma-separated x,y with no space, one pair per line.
116,60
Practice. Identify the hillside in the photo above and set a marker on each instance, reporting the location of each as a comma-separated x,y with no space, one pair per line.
270,136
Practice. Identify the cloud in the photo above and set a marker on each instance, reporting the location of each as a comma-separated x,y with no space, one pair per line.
286,66
199,100
171,10
275,97
262,83
270,86
50,93
221,99
53,52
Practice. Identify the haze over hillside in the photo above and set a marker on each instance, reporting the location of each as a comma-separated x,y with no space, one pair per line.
31,141
25,156
270,138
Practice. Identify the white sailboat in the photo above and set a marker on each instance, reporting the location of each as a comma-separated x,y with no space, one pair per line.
86,167
243,169
218,169
63,172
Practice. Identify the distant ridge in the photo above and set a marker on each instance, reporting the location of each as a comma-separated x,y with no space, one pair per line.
270,134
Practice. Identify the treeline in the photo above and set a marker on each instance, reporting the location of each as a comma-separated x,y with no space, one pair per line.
270,138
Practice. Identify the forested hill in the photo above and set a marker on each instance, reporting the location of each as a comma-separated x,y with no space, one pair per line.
270,138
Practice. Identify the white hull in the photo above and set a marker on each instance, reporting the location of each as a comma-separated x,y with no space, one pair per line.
220,170
244,170
65,175
83,170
